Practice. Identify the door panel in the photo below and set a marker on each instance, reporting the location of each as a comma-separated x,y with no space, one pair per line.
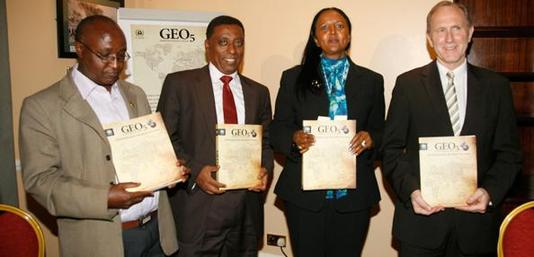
504,42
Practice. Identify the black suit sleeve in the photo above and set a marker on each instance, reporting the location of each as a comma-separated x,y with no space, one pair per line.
284,123
169,107
507,155
375,123
265,118
396,166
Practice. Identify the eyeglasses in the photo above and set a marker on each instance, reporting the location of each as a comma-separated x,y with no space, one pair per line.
119,57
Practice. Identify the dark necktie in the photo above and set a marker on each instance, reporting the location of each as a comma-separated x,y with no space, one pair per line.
230,113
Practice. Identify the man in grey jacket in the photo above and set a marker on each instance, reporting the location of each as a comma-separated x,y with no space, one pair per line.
66,158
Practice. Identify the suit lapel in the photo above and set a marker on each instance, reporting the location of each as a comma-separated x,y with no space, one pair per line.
474,105
129,100
249,99
432,84
77,107
315,104
204,95
352,91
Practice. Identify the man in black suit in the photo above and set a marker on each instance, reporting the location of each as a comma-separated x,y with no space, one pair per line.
211,222
419,109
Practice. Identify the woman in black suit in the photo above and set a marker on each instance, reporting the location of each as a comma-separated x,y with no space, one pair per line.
327,83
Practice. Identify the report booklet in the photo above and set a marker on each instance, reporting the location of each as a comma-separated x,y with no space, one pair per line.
448,169
142,152
329,163
238,150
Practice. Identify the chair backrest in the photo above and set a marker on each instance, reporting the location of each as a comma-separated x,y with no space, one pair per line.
20,233
516,236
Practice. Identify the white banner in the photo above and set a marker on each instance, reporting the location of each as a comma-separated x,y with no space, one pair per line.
161,42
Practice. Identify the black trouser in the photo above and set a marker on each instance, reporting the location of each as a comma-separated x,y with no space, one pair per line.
228,231
326,233
450,248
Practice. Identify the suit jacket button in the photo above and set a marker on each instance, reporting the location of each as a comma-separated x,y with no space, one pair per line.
108,157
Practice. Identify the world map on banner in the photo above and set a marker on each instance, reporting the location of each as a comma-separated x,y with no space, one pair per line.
158,50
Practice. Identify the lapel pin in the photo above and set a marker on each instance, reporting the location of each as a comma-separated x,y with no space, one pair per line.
315,83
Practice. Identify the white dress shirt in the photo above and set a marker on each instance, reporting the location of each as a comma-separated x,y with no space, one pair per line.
110,107
237,92
460,84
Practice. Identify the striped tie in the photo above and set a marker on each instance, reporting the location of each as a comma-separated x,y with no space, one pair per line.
452,103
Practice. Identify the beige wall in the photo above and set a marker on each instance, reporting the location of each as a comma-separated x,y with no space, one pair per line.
387,36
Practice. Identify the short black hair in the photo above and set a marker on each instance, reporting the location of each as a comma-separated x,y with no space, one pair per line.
88,21
222,20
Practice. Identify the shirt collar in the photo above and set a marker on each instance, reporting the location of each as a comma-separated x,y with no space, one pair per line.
462,69
85,85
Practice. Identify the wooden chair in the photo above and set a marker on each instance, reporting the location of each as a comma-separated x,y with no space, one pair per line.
516,236
20,233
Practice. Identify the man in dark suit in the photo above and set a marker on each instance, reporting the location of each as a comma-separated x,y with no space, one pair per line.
419,108
212,222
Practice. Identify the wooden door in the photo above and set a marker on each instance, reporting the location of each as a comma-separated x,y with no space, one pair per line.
503,41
